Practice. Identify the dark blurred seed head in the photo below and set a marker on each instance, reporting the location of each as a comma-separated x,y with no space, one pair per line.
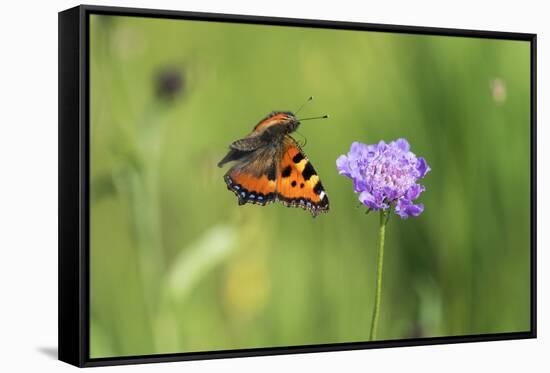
169,83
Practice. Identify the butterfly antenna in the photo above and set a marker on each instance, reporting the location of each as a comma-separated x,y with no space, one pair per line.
304,104
320,117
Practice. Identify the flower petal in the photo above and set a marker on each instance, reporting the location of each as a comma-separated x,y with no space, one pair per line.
414,192
360,185
403,145
391,193
422,167
358,148
379,199
381,146
369,200
406,208
342,164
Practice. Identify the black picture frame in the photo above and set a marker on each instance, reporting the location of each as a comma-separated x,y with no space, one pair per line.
74,184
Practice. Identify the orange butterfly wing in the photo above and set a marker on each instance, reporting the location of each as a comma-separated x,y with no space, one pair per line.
253,178
298,184
250,188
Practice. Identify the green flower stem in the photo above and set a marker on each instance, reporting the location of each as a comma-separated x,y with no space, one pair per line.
384,216
140,182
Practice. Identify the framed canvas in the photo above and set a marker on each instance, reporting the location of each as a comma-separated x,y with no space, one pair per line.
235,186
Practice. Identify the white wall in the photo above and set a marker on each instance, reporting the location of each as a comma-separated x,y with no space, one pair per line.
28,183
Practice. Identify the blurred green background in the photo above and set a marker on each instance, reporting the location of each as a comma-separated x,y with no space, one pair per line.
178,266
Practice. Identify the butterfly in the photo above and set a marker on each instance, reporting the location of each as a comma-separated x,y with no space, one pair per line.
270,166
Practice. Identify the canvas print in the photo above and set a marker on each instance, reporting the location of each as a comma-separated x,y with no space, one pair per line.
260,186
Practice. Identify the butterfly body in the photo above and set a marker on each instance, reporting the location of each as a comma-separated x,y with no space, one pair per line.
270,166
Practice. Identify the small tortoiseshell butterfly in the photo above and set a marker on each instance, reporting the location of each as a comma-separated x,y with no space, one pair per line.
270,166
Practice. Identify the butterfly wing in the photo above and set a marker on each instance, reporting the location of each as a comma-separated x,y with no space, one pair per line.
253,177
239,149
298,184
274,171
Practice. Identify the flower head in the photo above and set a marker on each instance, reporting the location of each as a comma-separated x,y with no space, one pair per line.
385,175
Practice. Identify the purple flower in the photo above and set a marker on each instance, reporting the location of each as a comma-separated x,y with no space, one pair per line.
385,175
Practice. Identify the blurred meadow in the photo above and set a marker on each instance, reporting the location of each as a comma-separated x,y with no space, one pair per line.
177,266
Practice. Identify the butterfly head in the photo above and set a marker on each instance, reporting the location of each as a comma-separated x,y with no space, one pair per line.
284,121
